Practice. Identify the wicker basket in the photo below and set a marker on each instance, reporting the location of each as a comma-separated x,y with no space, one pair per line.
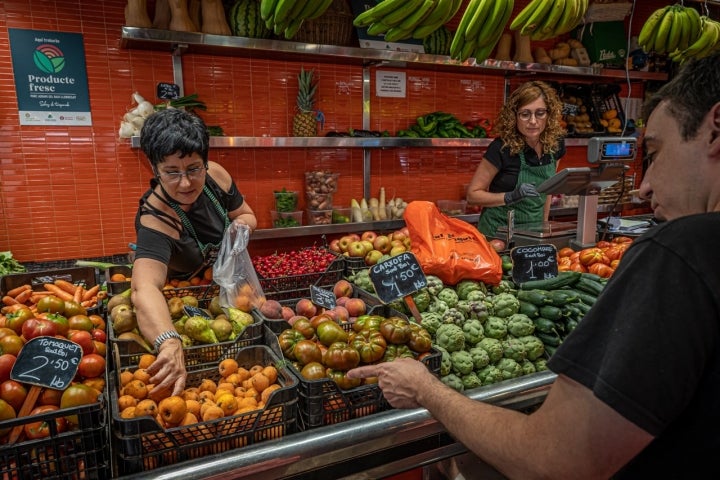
334,27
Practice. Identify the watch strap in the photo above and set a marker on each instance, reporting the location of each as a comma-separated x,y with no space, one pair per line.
166,335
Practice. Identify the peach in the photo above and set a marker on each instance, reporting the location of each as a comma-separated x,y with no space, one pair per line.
356,307
306,308
342,288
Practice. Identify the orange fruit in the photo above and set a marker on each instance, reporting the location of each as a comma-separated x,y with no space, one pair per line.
206,395
146,407
125,401
125,377
184,284
136,388
146,360
244,303
205,406
172,410
195,281
260,382
208,384
190,418
247,402
193,406
228,403
255,369
270,372
191,394
208,274
227,367
244,373
128,412
117,277
265,394
212,412
142,375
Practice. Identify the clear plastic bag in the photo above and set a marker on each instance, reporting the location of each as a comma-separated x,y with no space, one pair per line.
234,271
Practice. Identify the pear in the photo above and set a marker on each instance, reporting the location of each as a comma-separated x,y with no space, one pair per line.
123,319
239,320
222,328
186,341
198,328
116,300
215,307
176,306
190,300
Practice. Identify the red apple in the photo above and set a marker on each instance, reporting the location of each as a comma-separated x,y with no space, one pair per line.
372,257
398,235
356,249
342,288
287,313
356,307
382,244
396,243
306,308
355,237
368,235
335,246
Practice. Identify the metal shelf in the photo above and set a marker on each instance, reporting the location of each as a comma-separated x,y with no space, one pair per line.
194,42
353,142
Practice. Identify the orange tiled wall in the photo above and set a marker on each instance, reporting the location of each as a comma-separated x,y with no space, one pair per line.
71,192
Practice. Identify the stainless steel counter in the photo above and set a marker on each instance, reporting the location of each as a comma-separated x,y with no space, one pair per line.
378,445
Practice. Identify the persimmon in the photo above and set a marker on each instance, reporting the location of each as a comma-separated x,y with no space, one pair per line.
260,382
117,277
244,303
208,384
213,412
193,406
204,406
146,407
172,410
227,367
256,369
190,419
125,377
246,402
228,403
206,395
125,401
98,383
191,394
146,359
271,372
136,388
128,412
142,375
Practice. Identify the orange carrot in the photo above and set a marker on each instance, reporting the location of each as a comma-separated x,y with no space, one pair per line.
88,303
77,296
65,285
18,290
91,292
12,308
23,296
8,300
57,291
37,296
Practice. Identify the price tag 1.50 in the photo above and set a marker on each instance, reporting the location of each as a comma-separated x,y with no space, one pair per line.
534,262
47,362
397,277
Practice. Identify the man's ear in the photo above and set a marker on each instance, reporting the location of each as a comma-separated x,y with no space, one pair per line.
715,130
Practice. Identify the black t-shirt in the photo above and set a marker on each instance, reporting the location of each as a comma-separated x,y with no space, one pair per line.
183,256
650,347
509,165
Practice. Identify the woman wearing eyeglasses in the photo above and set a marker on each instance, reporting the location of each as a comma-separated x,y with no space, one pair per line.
529,143
180,224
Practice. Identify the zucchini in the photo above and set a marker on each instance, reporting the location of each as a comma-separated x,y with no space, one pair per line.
529,309
543,325
589,285
535,296
561,280
551,312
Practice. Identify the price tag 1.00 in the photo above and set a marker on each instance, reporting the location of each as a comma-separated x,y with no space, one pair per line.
397,277
534,262
47,362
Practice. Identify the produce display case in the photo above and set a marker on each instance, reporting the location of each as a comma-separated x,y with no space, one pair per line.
141,444
82,452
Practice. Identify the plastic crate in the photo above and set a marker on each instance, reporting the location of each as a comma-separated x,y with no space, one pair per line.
197,356
354,264
296,286
141,444
604,97
322,402
201,292
85,276
581,93
116,288
83,452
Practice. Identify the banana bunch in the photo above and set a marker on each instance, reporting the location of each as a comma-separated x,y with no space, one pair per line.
679,31
480,28
402,19
707,43
284,17
543,19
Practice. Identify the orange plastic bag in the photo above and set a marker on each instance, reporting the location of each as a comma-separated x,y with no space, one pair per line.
450,248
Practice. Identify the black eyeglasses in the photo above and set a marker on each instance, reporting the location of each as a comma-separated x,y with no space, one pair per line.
175,177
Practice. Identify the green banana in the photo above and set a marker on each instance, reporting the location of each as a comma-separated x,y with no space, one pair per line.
322,8
267,8
377,28
541,11
646,38
397,16
458,40
501,21
456,7
568,20
396,34
482,53
494,19
435,20
711,38
674,30
296,9
479,19
378,12
663,31
468,48
695,27
522,17
308,8
684,22
293,27
419,15
547,28
282,11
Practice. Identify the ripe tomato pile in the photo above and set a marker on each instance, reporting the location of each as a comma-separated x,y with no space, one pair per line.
601,259
294,262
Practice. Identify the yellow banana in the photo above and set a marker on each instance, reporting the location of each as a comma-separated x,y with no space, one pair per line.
479,18
646,38
494,20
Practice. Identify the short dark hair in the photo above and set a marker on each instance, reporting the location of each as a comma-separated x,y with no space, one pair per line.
171,131
690,94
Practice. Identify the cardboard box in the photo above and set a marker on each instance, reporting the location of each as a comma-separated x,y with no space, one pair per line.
378,41
605,42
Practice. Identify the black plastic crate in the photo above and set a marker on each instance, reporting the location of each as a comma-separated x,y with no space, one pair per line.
141,444
83,452
296,286
201,292
115,287
85,276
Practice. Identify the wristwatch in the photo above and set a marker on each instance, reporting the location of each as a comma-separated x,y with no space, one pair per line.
166,335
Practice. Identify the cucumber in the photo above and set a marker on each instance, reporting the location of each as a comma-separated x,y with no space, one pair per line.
535,296
529,309
560,298
561,280
549,339
551,312
588,285
585,297
543,325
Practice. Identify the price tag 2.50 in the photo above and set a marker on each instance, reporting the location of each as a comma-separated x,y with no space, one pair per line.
47,362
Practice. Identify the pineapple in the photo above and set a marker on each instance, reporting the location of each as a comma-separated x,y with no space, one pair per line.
305,122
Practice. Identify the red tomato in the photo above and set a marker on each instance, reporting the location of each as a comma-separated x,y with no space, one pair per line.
578,267
622,239
7,361
565,252
91,365
15,320
99,335
601,269
591,255
41,428
13,393
97,321
614,253
82,338
564,262
38,327
313,371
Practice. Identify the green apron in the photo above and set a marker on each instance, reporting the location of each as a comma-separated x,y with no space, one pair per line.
528,210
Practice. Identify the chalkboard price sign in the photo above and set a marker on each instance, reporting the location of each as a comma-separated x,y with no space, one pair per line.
322,297
196,312
168,91
534,262
47,362
397,277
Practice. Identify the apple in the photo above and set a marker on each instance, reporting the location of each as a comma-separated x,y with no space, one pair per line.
372,257
335,246
368,235
355,237
399,235
356,307
342,288
382,244
356,249
397,250
407,242
396,243
306,308
287,312
367,245
344,242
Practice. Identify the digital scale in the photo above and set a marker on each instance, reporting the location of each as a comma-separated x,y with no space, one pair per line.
611,155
